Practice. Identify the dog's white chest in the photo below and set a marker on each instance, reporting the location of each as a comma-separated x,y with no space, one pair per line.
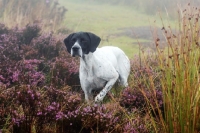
89,78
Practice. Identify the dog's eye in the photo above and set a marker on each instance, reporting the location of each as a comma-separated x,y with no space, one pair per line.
73,40
83,40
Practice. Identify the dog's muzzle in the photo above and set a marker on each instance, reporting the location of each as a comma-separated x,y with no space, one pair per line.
76,51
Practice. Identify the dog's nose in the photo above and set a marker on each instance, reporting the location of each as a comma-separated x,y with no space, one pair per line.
75,49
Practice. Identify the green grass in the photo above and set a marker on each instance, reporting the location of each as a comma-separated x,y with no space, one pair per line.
101,18
106,21
130,46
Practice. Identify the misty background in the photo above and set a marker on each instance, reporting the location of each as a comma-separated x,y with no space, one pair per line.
122,23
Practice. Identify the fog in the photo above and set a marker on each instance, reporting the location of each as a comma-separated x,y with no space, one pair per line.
122,23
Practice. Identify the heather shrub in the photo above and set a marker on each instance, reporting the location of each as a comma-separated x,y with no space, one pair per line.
105,118
3,29
146,88
64,71
35,72
34,59
27,34
137,99
48,109
137,125
91,119
38,71
35,107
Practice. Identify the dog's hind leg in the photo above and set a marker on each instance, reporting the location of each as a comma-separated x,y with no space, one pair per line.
107,88
88,96
124,70
123,81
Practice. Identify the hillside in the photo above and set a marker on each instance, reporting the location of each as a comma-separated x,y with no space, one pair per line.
117,25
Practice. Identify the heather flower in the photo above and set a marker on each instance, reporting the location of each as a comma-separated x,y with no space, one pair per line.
16,121
39,113
2,78
59,115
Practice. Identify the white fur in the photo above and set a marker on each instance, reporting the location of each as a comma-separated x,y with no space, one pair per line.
101,69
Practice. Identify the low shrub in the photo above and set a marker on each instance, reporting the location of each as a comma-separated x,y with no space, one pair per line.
34,59
37,83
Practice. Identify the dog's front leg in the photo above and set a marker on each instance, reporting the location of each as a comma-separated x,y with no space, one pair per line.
105,90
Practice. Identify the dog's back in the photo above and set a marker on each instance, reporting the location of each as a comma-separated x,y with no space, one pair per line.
118,59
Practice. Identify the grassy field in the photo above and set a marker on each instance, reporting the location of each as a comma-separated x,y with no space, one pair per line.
109,21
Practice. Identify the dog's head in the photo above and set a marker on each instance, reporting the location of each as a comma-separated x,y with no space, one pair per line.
81,43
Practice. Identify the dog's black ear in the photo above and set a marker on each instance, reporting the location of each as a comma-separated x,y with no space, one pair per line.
94,41
68,42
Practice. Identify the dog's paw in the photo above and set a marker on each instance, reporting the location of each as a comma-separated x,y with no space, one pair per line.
98,99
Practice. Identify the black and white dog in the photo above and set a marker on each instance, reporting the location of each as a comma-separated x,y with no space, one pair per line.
99,68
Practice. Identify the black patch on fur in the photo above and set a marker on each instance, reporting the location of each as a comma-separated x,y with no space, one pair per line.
94,41
88,41
68,42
